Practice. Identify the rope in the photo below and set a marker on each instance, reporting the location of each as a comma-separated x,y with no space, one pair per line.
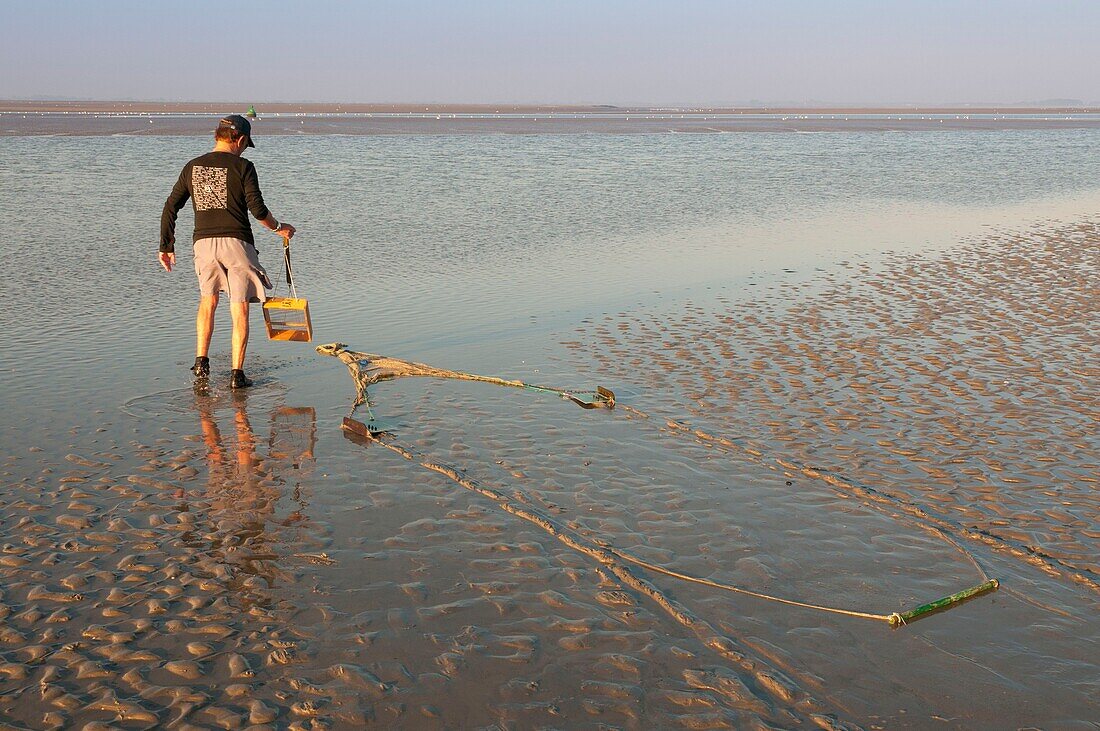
891,618
878,499
969,556
289,271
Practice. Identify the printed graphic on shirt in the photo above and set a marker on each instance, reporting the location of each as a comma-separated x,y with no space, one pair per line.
208,188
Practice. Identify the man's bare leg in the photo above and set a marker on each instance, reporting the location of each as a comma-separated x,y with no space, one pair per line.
204,324
240,332
204,328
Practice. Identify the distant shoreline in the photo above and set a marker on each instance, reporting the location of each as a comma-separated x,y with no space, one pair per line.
215,108
82,118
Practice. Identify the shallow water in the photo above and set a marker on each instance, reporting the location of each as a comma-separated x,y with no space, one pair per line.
121,119
738,285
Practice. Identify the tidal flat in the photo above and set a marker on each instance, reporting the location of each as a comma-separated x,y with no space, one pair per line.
853,369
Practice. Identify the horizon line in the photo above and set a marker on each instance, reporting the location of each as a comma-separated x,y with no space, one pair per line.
1061,104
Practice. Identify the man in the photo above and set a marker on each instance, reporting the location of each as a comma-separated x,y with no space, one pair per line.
223,189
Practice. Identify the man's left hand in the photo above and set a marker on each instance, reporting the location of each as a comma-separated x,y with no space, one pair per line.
167,260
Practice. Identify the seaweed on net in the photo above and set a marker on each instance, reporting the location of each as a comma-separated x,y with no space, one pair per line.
369,368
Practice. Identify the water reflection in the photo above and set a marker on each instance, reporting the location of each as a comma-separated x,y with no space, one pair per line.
292,438
245,460
245,484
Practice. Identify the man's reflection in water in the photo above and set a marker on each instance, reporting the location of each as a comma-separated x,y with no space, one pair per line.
244,487
245,459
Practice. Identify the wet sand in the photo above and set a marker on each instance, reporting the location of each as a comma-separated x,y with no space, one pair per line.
872,438
966,383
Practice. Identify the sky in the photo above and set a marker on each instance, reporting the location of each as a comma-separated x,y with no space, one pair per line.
703,52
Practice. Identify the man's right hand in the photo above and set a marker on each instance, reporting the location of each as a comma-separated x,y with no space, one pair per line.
286,231
167,260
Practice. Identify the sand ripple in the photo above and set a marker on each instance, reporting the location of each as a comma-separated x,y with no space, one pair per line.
232,562
963,386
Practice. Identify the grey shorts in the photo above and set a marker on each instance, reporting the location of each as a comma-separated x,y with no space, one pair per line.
225,264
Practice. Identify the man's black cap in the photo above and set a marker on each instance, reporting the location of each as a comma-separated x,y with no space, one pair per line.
238,123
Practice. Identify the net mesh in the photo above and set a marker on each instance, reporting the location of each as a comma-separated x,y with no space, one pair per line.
369,368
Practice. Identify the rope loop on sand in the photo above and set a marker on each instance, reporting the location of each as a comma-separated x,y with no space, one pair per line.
368,368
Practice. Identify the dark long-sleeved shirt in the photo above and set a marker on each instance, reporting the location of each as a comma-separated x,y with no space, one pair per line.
223,188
